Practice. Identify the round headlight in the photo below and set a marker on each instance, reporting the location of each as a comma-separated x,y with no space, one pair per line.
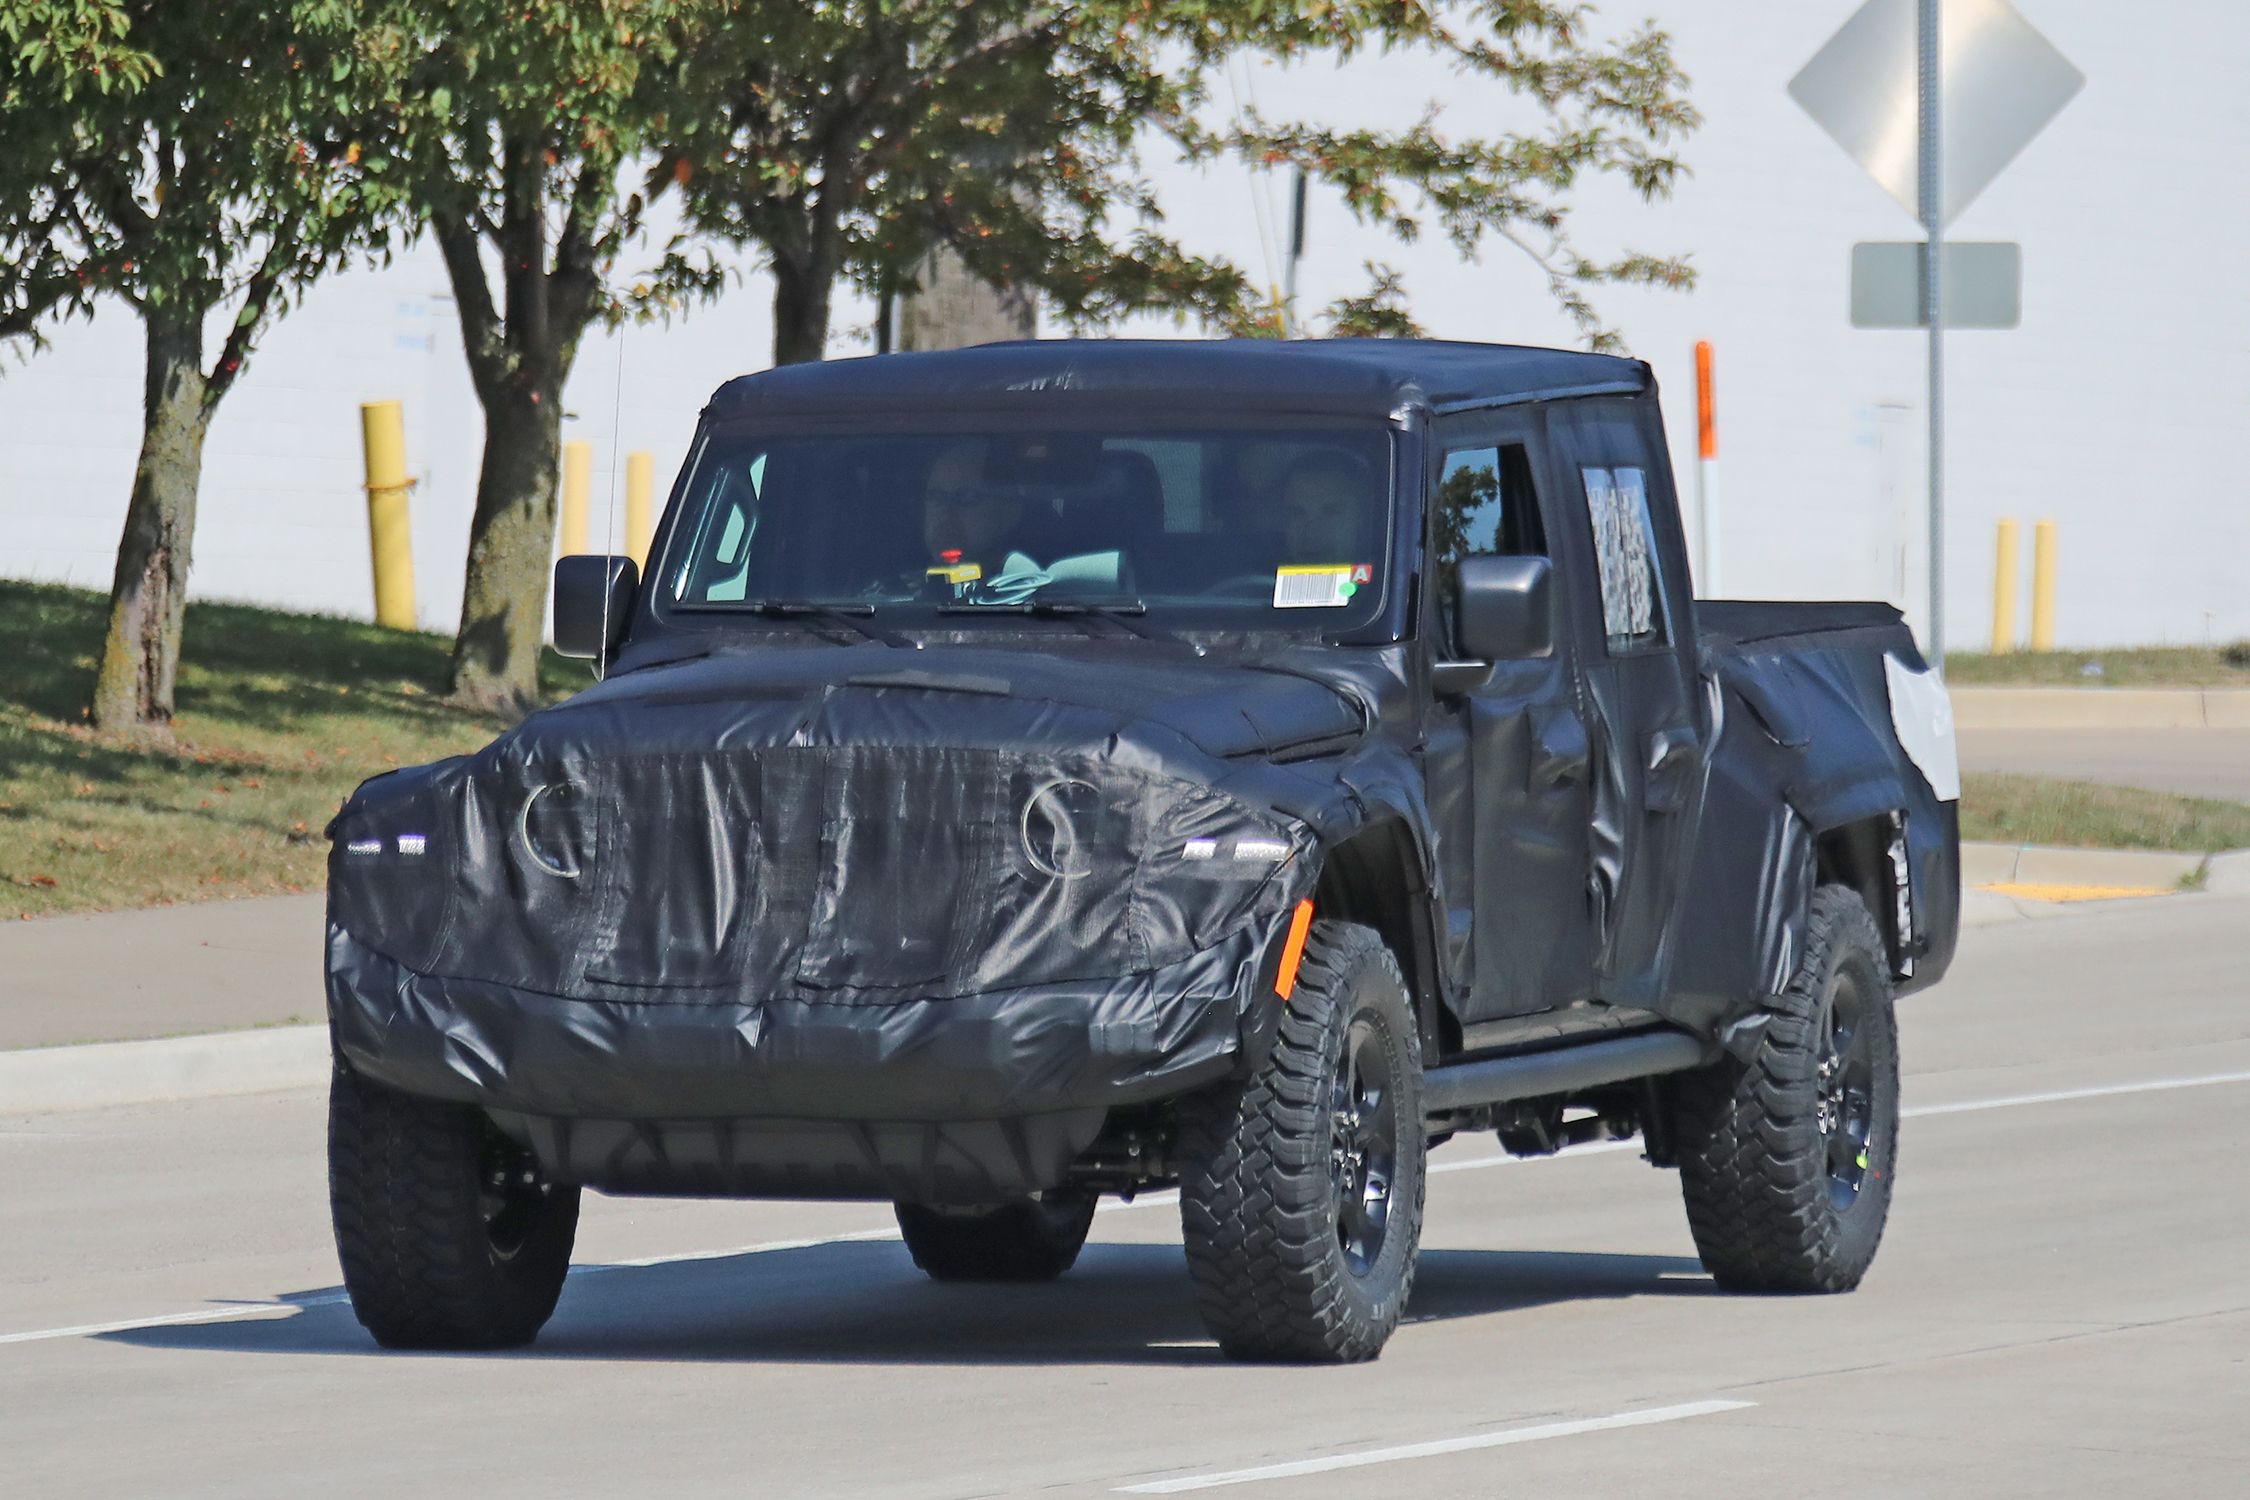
553,829
1055,829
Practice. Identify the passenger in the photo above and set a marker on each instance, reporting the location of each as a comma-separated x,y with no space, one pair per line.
1326,506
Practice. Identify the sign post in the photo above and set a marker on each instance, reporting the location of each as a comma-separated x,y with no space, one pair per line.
1930,174
1881,81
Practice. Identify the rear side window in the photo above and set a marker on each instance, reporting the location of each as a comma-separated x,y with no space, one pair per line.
1625,545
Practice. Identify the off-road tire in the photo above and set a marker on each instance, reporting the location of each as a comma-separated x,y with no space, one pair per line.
434,1257
1262,1205
1757,1168
1031,1239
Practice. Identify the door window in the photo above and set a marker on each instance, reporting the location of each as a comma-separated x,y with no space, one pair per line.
1485,506
1625,546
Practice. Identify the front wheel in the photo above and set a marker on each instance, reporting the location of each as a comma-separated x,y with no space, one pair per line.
1786,1160
449,1236
1301,1198
1031,1239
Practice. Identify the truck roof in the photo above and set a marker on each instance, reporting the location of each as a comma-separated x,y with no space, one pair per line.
1374,377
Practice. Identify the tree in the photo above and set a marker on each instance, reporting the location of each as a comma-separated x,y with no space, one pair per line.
847,140
173,157
512,122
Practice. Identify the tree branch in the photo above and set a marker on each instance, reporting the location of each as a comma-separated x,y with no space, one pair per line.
472,295
257,298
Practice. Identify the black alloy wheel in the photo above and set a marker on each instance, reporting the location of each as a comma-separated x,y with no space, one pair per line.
1363,1145
1846,1109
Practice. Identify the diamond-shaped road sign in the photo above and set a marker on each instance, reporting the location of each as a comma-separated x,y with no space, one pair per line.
2003,82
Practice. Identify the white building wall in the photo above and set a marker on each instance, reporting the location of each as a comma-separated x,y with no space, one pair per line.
2112,410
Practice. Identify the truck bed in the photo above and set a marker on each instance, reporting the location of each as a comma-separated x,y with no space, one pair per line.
1775,624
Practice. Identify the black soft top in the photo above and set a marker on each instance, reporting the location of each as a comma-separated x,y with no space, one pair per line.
1373,377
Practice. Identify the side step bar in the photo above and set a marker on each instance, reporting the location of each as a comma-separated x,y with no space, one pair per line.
1561,1070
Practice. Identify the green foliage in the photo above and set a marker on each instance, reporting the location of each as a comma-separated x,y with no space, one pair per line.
1604,109
176,156
1380,312
850,138
70,46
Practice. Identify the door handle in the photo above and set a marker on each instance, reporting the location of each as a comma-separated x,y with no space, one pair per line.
1560,752
1670,752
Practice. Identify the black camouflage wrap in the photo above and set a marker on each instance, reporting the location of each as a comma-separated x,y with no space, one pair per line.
764,913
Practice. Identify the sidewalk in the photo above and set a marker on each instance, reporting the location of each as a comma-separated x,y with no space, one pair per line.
1978,707
166,971
2189,762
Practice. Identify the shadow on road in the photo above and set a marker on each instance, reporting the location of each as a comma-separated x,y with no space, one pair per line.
866,1304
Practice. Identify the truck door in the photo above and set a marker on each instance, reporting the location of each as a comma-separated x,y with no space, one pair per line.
1509,760
1644,709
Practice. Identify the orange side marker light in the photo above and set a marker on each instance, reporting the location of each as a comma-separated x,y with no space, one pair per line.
1293,951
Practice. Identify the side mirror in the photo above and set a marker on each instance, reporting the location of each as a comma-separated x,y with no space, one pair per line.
593,603
1507,611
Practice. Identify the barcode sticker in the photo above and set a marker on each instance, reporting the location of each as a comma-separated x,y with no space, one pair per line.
1323,587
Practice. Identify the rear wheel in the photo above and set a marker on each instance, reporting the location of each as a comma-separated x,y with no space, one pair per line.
450,1238
1786,1160
1031,1239
1301,1201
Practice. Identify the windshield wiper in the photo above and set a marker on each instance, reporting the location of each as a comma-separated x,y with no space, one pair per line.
1125,614
841,616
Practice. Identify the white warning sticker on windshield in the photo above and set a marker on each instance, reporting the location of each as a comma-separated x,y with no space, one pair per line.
1324,586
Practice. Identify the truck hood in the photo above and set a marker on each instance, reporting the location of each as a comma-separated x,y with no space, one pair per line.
1284,704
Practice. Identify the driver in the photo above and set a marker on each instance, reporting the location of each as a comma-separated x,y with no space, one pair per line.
1325,509
966,520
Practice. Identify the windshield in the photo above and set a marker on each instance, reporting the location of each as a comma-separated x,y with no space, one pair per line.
1235,529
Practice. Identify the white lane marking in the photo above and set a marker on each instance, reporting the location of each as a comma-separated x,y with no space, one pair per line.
170,1320
1502,1439
1145,1200
2063,1096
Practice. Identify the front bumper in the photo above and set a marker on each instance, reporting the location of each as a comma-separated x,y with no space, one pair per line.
984,1057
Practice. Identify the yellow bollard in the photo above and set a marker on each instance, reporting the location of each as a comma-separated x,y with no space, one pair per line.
577,479
2004,589
640,526
2043,586
382,430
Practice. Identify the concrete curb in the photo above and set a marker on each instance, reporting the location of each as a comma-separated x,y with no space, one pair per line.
2100,708
2228,874
1993,909
39,1080
2034,864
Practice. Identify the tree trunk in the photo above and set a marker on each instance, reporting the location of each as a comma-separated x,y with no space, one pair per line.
511,548
954,308
800,312
140,659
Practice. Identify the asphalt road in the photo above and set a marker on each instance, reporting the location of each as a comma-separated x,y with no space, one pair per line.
2062,1306
2193,762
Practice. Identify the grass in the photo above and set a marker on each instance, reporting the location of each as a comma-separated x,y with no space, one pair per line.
2000,807
2121,666
279,716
